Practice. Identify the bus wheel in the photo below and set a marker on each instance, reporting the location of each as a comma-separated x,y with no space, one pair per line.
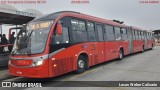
120,54
81,64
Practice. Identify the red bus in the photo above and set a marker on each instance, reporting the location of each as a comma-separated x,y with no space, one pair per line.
67,41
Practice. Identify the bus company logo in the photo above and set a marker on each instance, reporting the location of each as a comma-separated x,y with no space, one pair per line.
23,1
80,1
6,84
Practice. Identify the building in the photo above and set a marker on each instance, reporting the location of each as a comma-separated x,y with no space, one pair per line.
12,16
157,36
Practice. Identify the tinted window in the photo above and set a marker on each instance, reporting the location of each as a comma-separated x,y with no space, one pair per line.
91,31
79,36
109,33
118,33
82,25
142,34
61,39
133,33
148,35
124,31
79,32
90,26
100,32
65,35
74,24
92,36
78,25
136,35
109,29
117,30
152,36
124,34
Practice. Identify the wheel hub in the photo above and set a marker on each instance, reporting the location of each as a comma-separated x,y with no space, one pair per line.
81,63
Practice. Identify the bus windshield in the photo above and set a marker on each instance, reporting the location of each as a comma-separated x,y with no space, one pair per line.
33,39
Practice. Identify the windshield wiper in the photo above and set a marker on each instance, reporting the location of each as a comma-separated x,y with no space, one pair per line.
13,52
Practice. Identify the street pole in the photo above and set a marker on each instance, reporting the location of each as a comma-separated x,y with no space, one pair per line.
1,28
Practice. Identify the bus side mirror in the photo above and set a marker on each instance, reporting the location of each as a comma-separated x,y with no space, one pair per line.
59,28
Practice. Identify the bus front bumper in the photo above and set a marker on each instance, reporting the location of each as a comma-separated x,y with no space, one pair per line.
31,72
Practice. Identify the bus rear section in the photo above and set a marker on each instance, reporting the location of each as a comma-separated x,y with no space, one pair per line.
141,40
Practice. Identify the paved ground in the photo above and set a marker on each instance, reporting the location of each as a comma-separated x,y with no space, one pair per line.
138,67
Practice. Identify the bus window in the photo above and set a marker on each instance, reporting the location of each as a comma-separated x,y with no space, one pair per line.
62,39
117,30
148,36
90,26
74,24
139,35
133,33
152,35
100,32
79,32
136,34
109,32
142,34
124,34
117,33
91,31
65,35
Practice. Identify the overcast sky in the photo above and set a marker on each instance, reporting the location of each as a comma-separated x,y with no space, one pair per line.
146,16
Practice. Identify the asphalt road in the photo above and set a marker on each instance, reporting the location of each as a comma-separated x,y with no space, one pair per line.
137,67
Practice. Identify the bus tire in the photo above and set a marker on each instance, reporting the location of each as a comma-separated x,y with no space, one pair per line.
121,54
81,64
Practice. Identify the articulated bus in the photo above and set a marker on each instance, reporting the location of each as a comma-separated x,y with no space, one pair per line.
67,41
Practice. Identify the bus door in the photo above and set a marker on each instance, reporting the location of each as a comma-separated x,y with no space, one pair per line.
118,42
130,41
100,48
125,40
145,40
109,42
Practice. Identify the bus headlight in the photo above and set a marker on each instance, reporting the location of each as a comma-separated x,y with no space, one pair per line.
38,63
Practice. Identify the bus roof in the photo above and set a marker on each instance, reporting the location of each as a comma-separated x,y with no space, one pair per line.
55,15
136,28
93,18
88,17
